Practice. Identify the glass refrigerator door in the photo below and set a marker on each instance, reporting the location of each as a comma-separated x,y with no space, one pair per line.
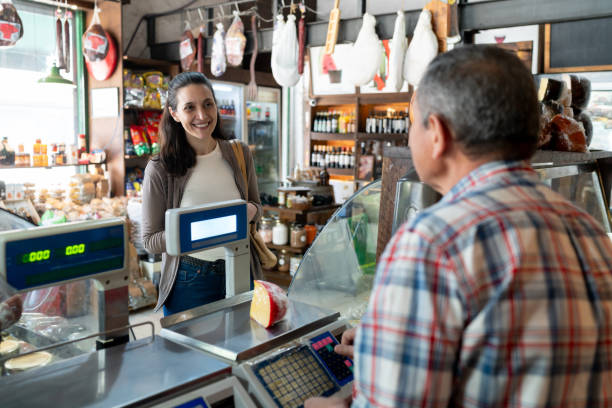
263,132
230,100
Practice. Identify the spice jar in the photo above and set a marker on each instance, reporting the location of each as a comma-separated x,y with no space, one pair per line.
298,236
265,229
283,261
311,233
280,233
281,198
294,263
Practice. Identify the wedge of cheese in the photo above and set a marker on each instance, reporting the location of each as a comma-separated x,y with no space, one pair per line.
269,304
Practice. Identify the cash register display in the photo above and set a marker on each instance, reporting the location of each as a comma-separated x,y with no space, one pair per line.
33,262
294,376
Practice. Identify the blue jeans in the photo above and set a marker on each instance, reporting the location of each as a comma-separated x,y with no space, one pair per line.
196,286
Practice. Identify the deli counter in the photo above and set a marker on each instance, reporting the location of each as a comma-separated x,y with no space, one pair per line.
215,355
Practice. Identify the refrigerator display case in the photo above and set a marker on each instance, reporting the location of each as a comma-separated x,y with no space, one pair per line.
263,137
256,123
230,101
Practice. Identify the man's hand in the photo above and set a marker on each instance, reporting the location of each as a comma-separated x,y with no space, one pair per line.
345,348
333,402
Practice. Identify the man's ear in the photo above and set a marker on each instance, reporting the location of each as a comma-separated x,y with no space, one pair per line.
441,137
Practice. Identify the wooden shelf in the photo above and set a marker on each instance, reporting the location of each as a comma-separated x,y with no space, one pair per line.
2,167
332,136
288,248
337,172
293,211
391,137
282,279
136,109
132,157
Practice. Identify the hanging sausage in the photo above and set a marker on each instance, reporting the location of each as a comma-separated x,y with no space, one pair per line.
301,39
59,40
11,27
67,50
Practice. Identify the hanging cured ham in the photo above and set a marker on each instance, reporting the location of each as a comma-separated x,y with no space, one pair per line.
422,49
11,27
397,54
366,54
235,41
99,50
187,50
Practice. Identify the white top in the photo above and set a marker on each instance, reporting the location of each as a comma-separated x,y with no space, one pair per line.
211,181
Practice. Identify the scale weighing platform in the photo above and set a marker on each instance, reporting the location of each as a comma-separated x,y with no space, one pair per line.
153,371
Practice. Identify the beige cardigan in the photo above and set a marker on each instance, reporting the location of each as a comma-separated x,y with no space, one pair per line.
161,191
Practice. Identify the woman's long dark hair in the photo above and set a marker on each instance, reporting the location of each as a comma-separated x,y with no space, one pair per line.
176,154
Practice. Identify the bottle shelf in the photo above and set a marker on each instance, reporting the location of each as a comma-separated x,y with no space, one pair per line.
391,137
137,109
5,167
336,172
288,248
331,136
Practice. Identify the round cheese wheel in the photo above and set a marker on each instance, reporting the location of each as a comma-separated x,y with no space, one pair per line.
269,304
40,358
8,346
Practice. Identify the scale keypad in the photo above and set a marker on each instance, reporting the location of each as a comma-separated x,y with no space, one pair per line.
294,376
340,367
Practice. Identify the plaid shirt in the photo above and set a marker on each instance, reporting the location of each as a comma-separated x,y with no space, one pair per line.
500,295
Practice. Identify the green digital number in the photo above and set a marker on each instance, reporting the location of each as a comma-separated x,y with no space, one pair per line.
75,249
36,256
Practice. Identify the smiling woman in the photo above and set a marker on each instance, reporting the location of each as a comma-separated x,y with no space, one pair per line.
196,165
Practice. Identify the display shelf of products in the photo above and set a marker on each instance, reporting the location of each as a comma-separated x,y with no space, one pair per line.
288,248
331,136
391,137
336,172
282,279
4,167
294,211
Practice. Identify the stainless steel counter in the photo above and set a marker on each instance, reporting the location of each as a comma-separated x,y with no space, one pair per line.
230,333
134,374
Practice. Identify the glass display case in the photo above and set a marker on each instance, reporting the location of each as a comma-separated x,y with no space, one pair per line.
337,271
50,315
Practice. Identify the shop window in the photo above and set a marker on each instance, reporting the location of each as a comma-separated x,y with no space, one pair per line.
30,110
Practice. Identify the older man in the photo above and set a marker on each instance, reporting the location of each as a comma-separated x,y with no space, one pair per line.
500,295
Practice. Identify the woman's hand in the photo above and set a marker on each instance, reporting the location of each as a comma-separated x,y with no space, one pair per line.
251,211
322,402
346,348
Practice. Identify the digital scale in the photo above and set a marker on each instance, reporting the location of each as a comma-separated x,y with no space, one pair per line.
207,226
148,372
227,353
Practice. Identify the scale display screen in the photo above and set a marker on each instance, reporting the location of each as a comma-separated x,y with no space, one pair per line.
39,261
197,228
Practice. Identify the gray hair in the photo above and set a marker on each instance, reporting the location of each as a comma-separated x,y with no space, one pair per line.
487,98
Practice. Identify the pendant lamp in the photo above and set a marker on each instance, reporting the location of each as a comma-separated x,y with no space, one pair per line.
54,77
